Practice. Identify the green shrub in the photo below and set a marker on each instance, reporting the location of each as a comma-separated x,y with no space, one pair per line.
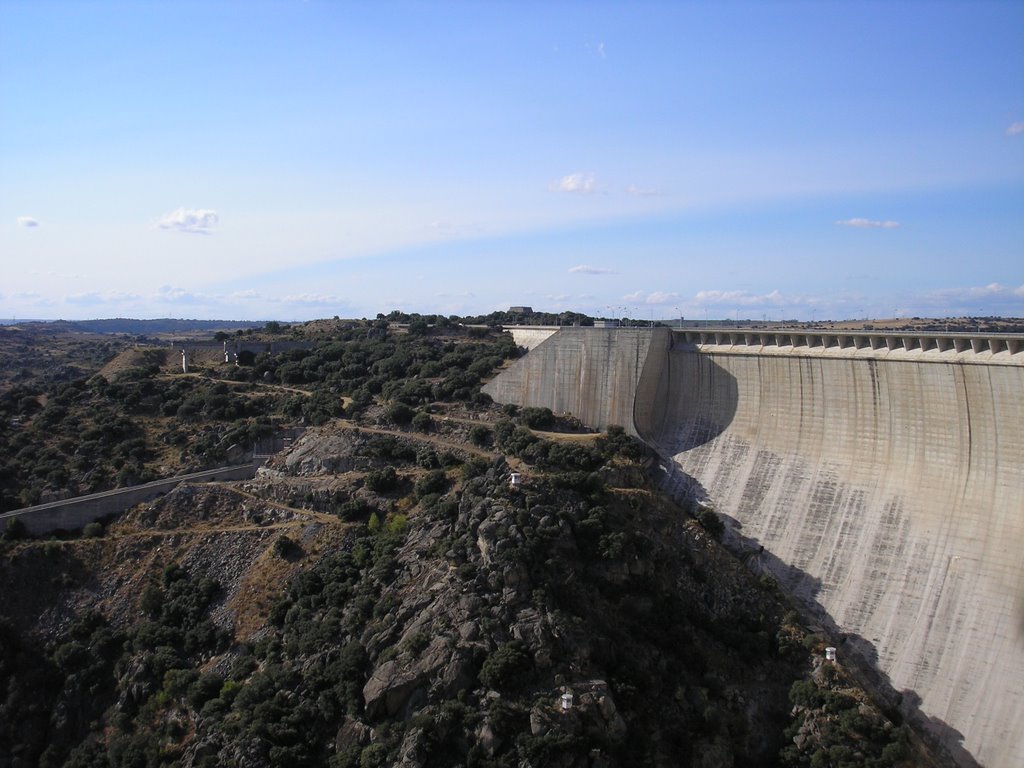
504,665
479,435
93,530
396,523
381,480
422,422
426,458
151,600
537,418
15,530
399,413
435,481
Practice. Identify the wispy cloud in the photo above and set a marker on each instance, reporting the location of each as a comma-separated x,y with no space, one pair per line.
654,297
310,299
740,298
1015,129
200,221
450,229
100,297
580,183
587,269
636,191
172,295
867,224
28,221
978,292
442,228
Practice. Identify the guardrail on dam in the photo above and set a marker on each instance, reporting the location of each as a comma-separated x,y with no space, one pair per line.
883,473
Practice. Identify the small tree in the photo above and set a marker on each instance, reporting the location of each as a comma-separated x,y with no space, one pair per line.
435,481
422,421
479,435
381,480
399,413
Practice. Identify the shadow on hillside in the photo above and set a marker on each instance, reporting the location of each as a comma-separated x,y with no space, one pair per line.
943,741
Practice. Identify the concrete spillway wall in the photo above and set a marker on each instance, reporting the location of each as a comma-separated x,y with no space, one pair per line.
884,476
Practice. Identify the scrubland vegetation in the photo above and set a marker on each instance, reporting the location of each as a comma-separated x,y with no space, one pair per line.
391,599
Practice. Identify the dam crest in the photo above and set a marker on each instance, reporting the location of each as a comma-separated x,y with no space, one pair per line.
883,473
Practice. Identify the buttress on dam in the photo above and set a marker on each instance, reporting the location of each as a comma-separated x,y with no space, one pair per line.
882,474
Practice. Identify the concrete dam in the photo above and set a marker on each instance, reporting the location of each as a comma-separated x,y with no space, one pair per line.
883,475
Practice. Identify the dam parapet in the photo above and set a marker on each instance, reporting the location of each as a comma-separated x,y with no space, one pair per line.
988,349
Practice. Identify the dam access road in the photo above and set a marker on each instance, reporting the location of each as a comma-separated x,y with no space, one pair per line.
882,473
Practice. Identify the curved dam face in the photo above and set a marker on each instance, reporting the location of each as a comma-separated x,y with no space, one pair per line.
884,477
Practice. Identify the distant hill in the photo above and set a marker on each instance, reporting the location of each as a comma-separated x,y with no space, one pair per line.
149,327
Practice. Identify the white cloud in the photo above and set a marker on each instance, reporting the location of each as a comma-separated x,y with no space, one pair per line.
867,224
311,299
636,191
170,294
655,297
28,221
1015,129
976,293
739,298
100,297
451,229
586,269
600,50
662,297
199,221
580,183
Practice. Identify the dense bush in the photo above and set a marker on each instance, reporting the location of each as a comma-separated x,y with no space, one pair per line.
434,481
505,665
537,418
381,480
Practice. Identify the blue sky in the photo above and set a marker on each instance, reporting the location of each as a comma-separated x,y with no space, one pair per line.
295,160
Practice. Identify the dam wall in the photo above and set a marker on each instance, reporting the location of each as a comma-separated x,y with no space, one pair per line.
882,474
593,374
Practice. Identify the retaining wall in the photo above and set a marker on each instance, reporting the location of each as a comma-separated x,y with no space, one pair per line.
74,514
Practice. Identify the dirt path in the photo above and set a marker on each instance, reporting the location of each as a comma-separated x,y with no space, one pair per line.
420,437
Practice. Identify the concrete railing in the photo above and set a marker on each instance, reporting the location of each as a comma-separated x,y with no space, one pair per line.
987,348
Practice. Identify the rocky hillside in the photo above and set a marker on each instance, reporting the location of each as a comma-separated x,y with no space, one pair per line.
419,610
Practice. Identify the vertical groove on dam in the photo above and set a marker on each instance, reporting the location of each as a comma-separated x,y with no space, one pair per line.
884,478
